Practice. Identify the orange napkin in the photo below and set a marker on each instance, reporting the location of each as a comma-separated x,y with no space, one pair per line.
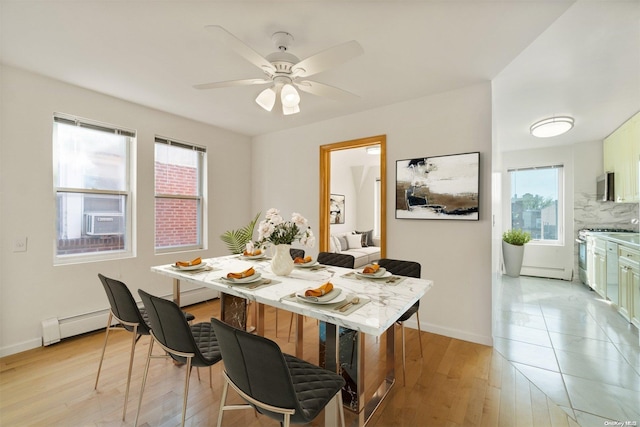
254,253
370,269
320,291
189,263
300,260
248,272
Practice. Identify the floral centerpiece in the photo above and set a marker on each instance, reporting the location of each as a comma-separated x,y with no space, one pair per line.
275,230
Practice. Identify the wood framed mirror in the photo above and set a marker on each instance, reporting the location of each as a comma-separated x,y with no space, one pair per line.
325,187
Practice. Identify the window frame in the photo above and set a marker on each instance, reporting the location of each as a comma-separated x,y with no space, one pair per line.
128,251
199,198
560,205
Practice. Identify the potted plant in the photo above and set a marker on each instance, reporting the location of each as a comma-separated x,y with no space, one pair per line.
237,240
513,242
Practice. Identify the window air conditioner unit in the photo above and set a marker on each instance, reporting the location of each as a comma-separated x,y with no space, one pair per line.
104,224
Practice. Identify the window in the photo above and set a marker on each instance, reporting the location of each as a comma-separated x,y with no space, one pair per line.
536,202
91,181
179,171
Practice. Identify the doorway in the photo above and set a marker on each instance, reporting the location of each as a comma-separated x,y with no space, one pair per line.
325,187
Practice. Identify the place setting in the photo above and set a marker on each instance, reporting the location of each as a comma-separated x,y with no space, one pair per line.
375,273
329,297
308,263
196,265
249,279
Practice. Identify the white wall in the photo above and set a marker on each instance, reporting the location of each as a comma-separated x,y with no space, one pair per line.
31,288
456,255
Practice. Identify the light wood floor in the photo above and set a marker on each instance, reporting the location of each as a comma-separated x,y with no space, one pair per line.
457,383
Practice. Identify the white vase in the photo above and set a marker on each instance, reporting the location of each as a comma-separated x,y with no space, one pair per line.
512,255
282,263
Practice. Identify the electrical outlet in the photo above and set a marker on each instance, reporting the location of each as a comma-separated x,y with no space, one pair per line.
20,244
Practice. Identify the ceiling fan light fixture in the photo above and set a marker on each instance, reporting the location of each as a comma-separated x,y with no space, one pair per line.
553,126
289,96
290,110
266,99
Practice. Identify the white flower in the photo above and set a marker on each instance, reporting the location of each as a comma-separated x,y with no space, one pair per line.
299,220
265,229
276,219
272,212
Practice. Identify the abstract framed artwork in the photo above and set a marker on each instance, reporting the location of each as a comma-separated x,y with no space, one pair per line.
440,187
336,209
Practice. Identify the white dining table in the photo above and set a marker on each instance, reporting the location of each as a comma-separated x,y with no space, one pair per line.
380,303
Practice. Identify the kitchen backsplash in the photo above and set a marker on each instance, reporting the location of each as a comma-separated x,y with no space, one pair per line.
588,212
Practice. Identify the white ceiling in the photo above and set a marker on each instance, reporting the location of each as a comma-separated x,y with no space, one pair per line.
544,57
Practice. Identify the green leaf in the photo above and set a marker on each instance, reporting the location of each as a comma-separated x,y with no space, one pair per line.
236,240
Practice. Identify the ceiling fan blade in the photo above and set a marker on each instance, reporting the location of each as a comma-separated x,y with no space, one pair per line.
240,47
232,83
321,89
327,58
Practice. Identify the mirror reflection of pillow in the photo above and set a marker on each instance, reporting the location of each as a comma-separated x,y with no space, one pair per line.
354,241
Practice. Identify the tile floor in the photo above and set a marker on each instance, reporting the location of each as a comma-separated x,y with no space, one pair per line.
572,345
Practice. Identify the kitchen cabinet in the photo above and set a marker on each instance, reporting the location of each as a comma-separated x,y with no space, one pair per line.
597,252
629,284
621,152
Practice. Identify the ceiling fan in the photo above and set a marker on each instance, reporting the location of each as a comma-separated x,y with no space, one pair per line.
284,71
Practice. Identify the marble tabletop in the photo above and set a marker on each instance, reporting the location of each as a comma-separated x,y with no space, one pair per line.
388,299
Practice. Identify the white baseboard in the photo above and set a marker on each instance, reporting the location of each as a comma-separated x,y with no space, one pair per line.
88,322
449,332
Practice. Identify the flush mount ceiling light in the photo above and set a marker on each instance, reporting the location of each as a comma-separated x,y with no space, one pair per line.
553,126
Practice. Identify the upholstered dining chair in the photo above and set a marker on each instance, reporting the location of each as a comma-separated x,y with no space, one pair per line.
409,269
336,259
195,345
129,317
276,384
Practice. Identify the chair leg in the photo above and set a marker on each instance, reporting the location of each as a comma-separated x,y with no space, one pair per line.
104,347
144,380
186,391
341,408
223,401
134,335
419,333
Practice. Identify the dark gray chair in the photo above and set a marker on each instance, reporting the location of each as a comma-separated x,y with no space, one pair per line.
130,318
336,259
277,385
194,345
409,269
296,253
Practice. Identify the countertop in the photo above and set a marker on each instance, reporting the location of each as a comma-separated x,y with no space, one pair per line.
631,240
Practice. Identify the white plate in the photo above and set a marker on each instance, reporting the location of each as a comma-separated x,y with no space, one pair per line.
371,276
306,264
380,273
190,267
253,278
252,256
341,297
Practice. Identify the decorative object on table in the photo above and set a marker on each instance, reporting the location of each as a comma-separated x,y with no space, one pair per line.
441,187
513,242
336,209
280,233
236,240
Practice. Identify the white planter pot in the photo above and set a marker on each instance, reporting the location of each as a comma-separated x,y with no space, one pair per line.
512,256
